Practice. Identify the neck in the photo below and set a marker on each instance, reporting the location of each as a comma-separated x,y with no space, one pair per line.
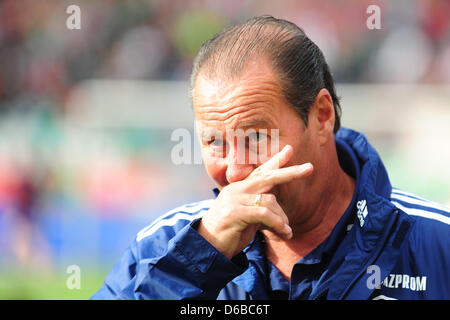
322,217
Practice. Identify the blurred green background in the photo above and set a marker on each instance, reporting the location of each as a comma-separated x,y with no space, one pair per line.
86,117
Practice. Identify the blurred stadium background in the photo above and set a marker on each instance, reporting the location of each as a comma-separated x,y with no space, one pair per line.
86,117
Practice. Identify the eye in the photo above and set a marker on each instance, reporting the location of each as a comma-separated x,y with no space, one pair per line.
216,142
257,137
212,140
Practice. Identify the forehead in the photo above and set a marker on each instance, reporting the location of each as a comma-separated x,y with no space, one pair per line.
253,97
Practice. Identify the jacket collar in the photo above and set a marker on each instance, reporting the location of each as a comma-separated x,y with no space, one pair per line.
380,229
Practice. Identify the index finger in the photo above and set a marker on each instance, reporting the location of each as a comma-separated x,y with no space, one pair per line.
277,161
267,180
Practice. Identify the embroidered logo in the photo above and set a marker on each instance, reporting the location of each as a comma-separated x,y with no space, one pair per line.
362,211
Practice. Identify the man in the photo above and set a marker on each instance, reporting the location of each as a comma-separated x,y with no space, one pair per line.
316,220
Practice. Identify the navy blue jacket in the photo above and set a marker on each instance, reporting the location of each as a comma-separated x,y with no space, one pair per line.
392,245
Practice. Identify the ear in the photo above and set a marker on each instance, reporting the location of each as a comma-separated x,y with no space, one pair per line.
322,116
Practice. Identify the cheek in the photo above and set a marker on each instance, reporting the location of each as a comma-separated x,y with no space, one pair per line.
215,167
304,148
258,157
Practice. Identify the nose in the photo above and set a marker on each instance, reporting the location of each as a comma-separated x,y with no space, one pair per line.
237,170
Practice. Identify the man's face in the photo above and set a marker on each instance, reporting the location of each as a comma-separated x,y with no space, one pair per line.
236,120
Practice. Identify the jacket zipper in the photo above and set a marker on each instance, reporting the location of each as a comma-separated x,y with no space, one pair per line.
375,255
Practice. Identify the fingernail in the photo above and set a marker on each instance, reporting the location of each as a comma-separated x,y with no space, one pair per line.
287,229
307,166
287,147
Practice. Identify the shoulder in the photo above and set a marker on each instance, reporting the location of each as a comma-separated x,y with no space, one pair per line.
431,219
149,246
420,208
160,231
422,268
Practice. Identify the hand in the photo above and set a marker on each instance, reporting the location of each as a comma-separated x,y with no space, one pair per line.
233,219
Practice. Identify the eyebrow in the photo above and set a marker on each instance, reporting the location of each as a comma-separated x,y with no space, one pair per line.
208,132
259,123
